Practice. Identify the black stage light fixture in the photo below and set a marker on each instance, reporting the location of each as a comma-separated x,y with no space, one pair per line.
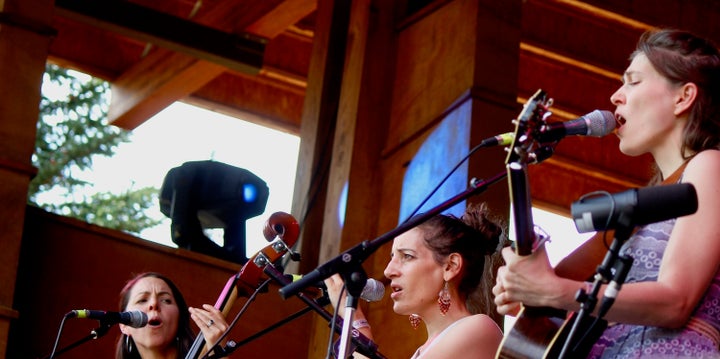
201,195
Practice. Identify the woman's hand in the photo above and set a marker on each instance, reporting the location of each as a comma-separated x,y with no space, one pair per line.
211,322
335,286
529,280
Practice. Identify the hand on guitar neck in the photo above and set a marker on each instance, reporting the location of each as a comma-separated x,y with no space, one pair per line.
525,279
211,322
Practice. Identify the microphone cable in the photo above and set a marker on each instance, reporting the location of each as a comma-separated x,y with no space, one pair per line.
57,338
442,181
330,346
261,288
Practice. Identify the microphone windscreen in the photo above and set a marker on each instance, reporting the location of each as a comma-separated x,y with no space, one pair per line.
658,203
138,319
600,123
373,291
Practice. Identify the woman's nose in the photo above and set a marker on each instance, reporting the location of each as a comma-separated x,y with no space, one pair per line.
390,270
616,98
152,303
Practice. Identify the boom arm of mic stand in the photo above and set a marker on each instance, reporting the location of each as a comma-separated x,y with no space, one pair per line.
94,334
365,346
357,254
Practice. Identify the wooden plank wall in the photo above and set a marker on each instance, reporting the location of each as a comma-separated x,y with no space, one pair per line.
67,264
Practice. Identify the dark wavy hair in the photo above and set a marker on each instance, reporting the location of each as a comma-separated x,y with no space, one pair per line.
185,335
477,237
682,57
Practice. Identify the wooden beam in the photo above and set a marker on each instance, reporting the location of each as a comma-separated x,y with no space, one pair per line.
164,77
241,52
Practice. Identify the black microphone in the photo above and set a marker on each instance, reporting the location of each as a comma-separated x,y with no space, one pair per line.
597,124
373,291
640,205
134,318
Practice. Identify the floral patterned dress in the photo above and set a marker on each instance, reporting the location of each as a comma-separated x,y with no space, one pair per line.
697,339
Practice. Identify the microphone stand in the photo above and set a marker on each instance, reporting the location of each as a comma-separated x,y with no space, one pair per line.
348,261
602,275
354,283
364,345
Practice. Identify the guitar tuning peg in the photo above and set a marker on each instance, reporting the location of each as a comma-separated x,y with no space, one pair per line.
295,256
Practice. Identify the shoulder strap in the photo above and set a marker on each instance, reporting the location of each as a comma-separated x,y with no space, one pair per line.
675,177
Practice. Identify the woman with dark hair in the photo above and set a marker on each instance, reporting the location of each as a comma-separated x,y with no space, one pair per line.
668,106
441,274
168,333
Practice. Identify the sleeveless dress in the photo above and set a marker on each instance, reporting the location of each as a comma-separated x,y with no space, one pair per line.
697,339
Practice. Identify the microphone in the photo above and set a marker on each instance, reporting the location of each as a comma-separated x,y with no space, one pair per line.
640,205
135,318
597,124
373,291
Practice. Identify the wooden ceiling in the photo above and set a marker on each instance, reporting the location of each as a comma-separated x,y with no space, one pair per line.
251,57
155,52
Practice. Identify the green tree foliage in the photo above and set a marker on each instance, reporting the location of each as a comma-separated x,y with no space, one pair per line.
71,130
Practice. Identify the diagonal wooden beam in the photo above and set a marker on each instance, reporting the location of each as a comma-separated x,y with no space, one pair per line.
165,76
241,52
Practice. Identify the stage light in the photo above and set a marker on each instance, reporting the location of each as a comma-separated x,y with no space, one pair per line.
201,195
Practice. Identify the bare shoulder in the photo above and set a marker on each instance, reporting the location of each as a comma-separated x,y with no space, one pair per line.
480,322
708,160
703,172
477,336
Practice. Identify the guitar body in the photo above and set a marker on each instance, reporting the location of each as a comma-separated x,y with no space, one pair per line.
540,333
534,331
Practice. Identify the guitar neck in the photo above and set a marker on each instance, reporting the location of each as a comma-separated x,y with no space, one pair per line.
522,208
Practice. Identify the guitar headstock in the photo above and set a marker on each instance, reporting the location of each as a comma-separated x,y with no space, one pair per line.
282,231
521,152
528,123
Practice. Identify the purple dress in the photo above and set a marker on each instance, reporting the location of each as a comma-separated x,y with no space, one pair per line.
697,339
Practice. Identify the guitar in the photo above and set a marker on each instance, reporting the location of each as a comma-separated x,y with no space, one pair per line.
538,332
251,275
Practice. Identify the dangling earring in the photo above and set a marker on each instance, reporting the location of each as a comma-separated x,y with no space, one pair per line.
128,344
444,299
415,321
